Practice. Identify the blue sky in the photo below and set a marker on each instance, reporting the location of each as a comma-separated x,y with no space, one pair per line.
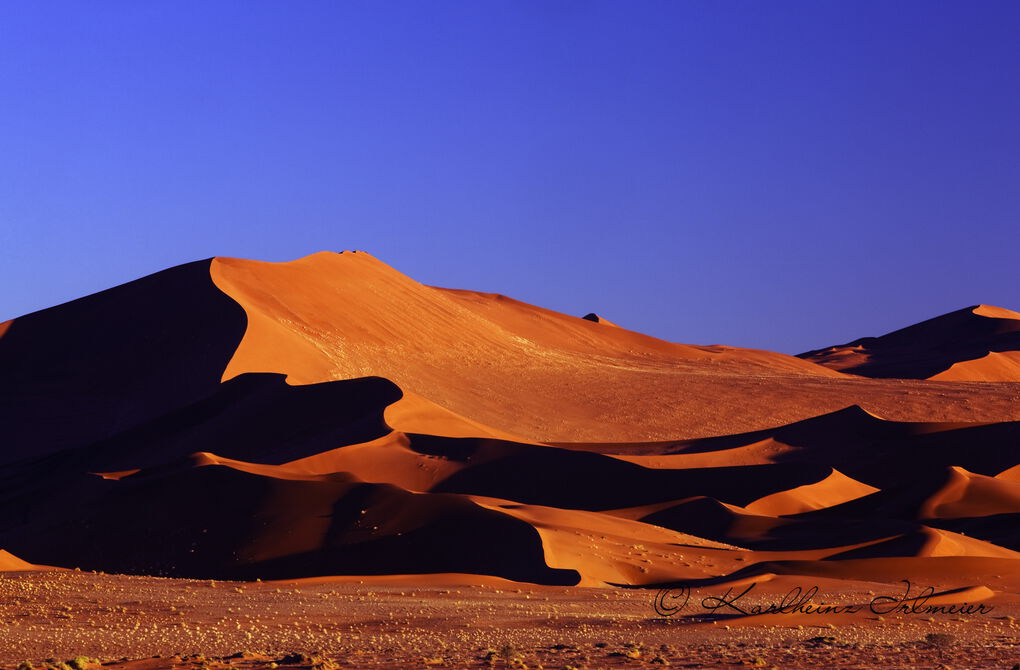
782,175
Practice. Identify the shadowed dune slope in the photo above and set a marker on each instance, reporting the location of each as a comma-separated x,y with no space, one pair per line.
952,493
94,367
214,521
928,542
978,343
257,418
580,480
860,445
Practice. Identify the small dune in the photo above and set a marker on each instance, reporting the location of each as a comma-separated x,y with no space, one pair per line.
836,488
11,563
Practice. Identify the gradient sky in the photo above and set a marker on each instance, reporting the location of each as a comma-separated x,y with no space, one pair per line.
781,175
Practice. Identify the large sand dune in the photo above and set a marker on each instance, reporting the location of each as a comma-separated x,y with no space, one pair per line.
331,416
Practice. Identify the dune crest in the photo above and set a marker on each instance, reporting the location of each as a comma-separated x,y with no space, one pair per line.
834,489
996,312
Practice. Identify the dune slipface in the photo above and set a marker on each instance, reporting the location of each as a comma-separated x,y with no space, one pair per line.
91,368
235,419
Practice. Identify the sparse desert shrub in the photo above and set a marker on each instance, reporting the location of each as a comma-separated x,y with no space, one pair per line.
509,654
325,664
81,662
25,665
940,640
296,658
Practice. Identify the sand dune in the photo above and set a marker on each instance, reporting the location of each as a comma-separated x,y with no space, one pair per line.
706,517
543,475
606,549
502,363
992,367
1011,474
211,519
859,444
331,418
453,348
836,488
11,563
950,493
928,542
993,573
978,343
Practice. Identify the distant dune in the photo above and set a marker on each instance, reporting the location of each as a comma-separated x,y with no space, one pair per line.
979,343
332,417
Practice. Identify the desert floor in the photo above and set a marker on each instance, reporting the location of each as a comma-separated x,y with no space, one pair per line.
146,622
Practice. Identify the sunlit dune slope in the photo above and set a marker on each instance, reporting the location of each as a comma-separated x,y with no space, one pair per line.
994,366
11,563
490,359
503,364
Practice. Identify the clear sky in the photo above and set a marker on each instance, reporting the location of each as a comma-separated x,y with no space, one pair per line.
783,175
